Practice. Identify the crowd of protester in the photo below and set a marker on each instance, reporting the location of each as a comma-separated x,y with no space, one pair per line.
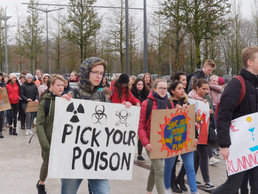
91,84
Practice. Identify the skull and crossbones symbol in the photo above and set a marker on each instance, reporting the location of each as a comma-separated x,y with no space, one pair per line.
123,116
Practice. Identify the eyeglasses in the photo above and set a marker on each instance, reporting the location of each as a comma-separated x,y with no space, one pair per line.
164,89
96,73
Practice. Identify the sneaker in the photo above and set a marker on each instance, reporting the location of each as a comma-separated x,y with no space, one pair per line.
213,161
140,159
209,187
168,191
27,132
41,188
1,135
215,153
30,132
198,183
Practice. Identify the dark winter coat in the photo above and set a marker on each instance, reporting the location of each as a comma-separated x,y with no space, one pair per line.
228,109
142,95
29,90
198,74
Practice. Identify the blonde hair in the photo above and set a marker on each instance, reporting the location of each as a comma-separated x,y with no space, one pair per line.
55,77
210,63
157,81
214,77
249,53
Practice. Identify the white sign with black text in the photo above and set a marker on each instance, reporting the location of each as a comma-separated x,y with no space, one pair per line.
93,140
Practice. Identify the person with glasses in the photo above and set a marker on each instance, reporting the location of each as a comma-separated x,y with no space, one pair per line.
160,101
92,71
121,92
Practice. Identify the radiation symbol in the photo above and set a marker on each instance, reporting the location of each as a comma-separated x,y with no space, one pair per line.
71,108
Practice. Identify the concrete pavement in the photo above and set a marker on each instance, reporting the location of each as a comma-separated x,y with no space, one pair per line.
20,162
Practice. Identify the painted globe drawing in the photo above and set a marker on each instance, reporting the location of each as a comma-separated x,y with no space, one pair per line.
175,132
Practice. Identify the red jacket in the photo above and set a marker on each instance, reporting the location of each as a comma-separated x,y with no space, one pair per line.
115,99
144,126
13,92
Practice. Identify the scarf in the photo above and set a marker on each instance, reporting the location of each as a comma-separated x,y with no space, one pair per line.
161,102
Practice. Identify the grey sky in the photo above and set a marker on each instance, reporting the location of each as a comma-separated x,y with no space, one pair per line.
13,5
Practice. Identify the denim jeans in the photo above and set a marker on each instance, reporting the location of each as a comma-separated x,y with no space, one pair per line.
233,183
188,162
97,186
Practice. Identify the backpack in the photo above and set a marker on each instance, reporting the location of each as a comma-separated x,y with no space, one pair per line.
149,108
242,94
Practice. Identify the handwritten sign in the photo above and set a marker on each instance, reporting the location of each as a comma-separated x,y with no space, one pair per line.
202,119
4,100
93,140
172,132
32,106
243,152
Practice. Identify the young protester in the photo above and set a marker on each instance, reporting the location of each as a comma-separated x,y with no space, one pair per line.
207,69
160,101
121,93
13,87
141,92
2,117
43,87
180,76
179,99
22,114
200,90
67,87
215,90
104,84
28,93
230,109
44,126
92,71
132,78
148,80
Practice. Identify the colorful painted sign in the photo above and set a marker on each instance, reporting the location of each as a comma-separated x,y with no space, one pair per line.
93,140
202,114
243,151
4,99
172,132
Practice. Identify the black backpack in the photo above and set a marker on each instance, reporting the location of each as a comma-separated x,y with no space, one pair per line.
149,108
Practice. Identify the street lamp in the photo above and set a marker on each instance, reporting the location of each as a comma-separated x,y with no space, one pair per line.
47,11
5,18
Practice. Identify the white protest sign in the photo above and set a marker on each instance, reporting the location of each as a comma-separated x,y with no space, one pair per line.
202,119
93,140
243,151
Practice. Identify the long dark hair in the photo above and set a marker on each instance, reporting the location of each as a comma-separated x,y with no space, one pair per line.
143,93
173,86
120,89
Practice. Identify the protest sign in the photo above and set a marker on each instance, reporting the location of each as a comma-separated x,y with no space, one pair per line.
202,119
243,151
32,106
93,140
5,103
172,132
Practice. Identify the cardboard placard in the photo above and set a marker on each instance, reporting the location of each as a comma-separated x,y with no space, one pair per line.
93,140
202,119
32,106
5,103
172,132
243,151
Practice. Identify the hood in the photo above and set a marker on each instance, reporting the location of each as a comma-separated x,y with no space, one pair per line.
49,96
84,82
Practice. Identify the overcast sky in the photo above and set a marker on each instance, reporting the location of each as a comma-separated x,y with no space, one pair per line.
15,7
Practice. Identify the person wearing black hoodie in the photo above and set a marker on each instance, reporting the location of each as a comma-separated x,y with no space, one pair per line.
67,87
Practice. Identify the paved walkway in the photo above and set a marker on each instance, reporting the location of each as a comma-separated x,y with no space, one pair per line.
20,162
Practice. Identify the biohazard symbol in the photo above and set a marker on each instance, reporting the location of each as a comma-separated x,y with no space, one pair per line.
123,116
71,108
99,115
